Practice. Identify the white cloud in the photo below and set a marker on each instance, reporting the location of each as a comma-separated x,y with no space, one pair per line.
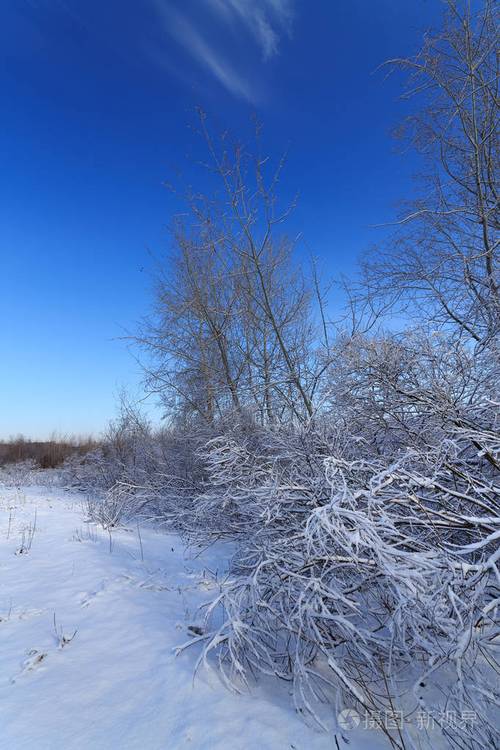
264,20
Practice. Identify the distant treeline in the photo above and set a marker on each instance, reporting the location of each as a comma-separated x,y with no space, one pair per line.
47,453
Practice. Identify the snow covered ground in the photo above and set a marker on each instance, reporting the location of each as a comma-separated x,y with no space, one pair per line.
88,631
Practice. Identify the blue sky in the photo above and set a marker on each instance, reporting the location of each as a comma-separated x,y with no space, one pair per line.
98,98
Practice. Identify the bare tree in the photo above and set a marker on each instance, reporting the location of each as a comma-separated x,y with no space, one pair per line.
445,255
233,324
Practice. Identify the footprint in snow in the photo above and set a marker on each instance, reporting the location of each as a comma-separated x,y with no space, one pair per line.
120,581
35,660
104,586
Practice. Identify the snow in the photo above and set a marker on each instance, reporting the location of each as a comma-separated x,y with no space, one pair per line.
89,632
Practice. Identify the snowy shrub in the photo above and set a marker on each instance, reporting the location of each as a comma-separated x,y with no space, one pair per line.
18,474
351,575
366,571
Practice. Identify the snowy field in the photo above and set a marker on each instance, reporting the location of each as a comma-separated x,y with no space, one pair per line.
89,627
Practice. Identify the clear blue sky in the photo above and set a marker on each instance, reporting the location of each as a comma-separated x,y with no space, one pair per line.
97,100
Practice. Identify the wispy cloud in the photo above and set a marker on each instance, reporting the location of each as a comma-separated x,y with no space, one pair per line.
179,26
265,21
